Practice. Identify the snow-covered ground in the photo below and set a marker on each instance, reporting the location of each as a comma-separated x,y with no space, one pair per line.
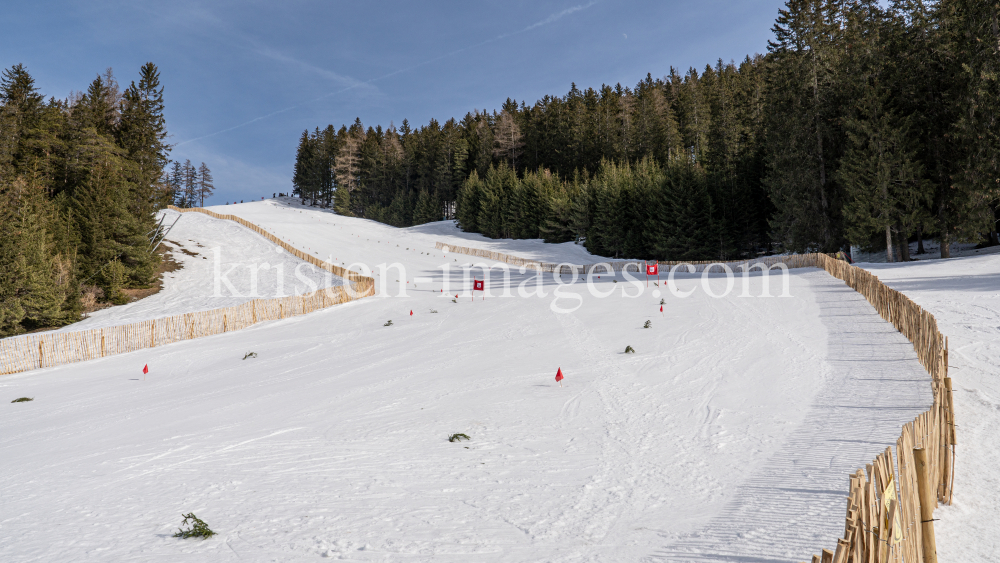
201,244
727,436
964,296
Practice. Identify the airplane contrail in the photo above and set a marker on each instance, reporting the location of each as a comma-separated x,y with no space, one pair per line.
550,19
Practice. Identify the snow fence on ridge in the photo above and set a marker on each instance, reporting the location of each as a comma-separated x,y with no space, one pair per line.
891,502
790,261
24,353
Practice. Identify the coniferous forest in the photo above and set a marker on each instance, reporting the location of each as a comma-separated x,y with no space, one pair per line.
80,181
863,124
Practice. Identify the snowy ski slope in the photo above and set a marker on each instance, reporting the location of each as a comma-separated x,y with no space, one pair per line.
727,436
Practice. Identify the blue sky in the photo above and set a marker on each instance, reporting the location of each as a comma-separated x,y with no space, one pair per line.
244,79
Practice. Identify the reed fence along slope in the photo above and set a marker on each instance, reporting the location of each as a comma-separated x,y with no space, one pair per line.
23,353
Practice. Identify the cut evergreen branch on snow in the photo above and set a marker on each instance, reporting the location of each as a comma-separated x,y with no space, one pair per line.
197,528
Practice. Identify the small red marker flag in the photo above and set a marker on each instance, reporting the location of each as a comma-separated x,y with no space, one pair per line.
661,308
559,376
411,312
145,369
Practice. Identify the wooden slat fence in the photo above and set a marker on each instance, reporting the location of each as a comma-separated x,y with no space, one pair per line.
884,522
33,351
795,261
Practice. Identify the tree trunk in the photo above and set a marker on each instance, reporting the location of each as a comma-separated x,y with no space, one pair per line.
945,245
822,163
888,244
904,246
920,239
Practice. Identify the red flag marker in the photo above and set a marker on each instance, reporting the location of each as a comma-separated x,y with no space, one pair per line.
411,312
145,369
652,270
559,376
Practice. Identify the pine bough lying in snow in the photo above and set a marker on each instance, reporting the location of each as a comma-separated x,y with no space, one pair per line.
198,528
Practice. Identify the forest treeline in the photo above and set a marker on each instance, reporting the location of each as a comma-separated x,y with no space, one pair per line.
80,181
863,125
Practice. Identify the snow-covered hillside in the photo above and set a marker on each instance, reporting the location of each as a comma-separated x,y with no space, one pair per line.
202,245
964,296
728,435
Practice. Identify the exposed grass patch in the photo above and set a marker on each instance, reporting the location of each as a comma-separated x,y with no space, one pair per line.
629,350
250,355
649,324
23,400
388,323
458,437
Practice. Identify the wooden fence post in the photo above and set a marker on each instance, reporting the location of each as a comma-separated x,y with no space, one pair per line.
925,493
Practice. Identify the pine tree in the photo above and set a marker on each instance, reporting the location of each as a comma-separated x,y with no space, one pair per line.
428,208
467,211
37,285
177,183
190,174
107,225
19,114
804,107
205,186
973,28
885,189
142,132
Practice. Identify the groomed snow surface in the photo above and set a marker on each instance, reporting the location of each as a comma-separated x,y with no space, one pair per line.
727,436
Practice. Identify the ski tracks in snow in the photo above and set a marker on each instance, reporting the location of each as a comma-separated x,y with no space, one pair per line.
793,505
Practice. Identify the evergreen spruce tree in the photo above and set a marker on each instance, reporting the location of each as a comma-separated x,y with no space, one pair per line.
37,283
177,183
885,189
107,225
973,30
342,201
190,174
804,107
467,211
205,185
142,134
